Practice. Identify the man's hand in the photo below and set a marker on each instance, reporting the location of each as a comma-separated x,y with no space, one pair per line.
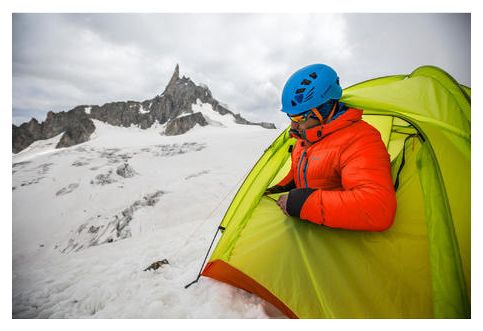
282,203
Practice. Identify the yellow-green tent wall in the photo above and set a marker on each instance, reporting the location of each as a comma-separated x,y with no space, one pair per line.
419,268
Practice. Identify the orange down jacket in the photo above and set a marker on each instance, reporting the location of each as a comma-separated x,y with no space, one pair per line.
342,178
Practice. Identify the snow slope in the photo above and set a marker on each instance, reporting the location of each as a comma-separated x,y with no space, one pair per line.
87,221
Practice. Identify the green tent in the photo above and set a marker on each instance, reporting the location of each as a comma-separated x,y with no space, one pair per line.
419,268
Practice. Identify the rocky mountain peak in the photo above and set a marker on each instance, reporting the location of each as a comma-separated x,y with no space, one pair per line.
177,99
174,78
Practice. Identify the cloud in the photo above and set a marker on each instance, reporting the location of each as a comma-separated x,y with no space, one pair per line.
387,44
63,60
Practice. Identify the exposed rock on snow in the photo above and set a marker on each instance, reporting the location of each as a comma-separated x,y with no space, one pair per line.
125,171
68,189
104,179
204,172
156,265
100,230
109,153
32,181
80,163
44,168
241,120
18,166
21,164
176,149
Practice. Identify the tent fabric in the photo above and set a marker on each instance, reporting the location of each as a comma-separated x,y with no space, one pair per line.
419,268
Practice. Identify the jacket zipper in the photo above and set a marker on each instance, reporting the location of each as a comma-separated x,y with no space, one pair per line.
300,168
305,171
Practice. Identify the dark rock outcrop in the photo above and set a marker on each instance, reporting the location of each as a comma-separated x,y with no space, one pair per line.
241,120
124,114
156,265
177,99
125,171
75,124
183,124
77,132
25,134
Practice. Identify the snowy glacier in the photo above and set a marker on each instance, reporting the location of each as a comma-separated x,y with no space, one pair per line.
89,219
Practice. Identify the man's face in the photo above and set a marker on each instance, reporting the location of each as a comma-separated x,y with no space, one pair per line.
308,124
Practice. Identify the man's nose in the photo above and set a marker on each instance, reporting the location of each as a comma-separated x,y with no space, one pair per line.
294,125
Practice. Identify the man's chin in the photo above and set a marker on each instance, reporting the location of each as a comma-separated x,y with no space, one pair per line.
295,133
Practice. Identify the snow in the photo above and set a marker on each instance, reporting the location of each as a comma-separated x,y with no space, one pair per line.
88,109
212,117
141,110
38,148
63,263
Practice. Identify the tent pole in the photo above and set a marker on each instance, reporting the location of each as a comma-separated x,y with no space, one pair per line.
206,256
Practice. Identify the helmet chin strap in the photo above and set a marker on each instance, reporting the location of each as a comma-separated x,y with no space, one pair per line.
317,114
314,134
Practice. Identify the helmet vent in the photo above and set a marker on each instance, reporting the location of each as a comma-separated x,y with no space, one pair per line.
299,98
300,90
306,82
309,94
293,103
313,75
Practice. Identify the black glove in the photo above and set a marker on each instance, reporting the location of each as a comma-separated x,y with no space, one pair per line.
275,189
280,189
269,190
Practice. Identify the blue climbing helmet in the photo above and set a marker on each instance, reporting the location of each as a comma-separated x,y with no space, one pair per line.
310,87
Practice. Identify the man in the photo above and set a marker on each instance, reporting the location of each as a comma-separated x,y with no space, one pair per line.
340,174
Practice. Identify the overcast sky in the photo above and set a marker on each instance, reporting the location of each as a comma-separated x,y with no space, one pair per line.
64,60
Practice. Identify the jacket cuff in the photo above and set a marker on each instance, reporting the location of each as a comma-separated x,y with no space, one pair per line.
296,199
